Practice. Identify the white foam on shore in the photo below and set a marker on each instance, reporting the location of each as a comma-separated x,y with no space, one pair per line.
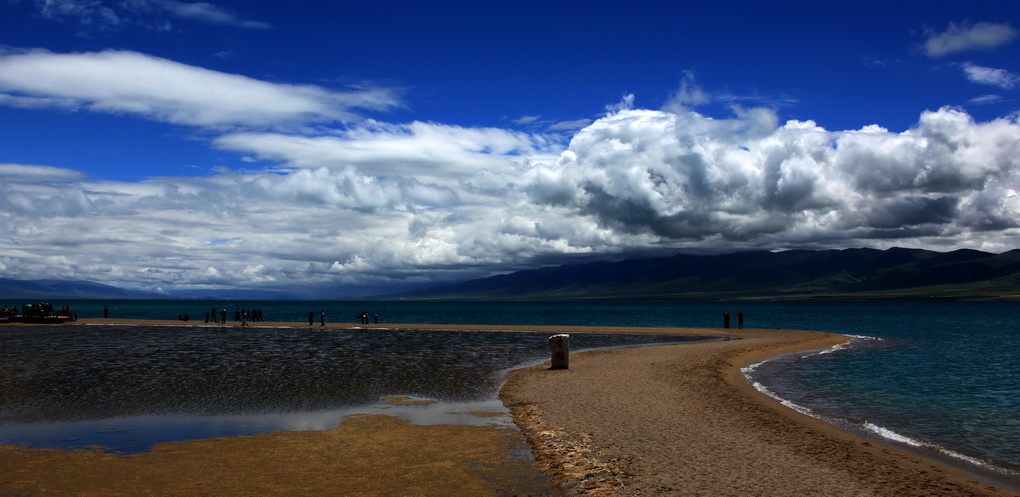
796,407
845,345
747,371
888,434
867,427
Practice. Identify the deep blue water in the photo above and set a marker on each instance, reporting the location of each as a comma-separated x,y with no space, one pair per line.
941,378
938,373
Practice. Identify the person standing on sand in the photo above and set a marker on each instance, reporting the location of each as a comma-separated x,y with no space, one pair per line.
322,318
223,316
106,312
311,317
726,319
214,315
740,320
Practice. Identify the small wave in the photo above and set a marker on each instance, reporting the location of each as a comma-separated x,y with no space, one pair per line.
869,428
796,407
853,342
891,435
883,433
887,434
806,353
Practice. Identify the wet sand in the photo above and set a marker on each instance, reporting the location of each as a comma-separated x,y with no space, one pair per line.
663,420
365,456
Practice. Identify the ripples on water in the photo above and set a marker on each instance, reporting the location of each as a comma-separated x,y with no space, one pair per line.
960,404
201,381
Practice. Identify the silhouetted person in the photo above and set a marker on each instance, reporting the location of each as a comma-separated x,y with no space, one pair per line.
311,317
726,319
740,320
106,312
322,318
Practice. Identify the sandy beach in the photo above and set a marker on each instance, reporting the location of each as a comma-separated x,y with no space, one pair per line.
682,420
662,420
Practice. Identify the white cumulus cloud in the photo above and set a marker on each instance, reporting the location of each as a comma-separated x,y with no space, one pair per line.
692,181
376,206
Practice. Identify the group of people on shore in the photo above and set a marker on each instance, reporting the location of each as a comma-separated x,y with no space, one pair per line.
5,312
38,310
364,317
726,319
242,316
322,318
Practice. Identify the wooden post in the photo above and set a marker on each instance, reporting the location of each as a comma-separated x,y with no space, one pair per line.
560,345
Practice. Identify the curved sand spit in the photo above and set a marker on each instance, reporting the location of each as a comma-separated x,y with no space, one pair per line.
682,420
666,420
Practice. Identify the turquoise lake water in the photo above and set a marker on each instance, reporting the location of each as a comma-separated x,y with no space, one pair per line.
939,377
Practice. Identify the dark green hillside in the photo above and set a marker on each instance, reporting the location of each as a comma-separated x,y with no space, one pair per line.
896,273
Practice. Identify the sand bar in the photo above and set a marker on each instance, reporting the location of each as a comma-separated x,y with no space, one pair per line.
663,420
682,420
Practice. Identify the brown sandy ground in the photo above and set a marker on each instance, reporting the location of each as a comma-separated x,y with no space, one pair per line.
664,420
370,455
681,420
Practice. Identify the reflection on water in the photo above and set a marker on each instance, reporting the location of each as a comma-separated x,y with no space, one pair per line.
136,434
127,387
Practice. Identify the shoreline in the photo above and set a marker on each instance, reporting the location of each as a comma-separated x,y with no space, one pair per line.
619,422
976,469
630,432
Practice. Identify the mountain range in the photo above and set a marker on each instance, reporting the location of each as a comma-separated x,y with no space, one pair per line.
862,273
85,290
897,273
66,289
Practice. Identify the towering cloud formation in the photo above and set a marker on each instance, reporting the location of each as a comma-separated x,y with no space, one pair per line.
351,201
683,177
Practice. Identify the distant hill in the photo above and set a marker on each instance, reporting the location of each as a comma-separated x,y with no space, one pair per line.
60,289
897,273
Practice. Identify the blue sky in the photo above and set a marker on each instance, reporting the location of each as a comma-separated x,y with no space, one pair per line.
356,149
